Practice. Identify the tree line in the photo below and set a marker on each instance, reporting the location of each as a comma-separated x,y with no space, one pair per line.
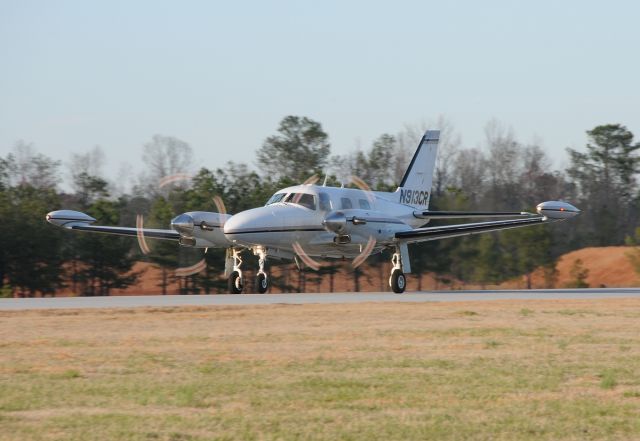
502,173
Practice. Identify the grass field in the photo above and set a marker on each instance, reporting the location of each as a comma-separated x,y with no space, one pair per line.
489,370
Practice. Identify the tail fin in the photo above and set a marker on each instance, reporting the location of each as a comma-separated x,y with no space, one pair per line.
415,188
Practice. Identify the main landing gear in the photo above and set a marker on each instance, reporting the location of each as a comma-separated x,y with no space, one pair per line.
262,280
397,281
236,281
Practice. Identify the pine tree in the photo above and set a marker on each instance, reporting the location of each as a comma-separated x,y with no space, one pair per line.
532,250
30,259
579,275
105,262
299,150
489,263
605,178
163,253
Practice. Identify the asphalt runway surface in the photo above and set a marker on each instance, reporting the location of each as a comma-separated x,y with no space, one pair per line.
309,298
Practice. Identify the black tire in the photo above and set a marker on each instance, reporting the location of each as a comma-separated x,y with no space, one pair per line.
262,283
398,281
235,283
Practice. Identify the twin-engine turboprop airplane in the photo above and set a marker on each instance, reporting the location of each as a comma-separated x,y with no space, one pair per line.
307,221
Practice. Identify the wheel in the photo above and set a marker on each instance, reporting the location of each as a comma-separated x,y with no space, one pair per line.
262,282
397,281
235,283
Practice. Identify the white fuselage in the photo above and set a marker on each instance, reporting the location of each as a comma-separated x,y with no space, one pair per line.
295,215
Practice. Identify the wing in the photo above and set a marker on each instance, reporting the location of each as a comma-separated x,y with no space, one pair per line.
551,211
435,233
75,220
468,214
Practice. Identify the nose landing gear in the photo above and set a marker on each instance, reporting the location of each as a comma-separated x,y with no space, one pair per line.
236,282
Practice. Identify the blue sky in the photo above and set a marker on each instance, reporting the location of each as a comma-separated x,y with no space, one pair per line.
221,75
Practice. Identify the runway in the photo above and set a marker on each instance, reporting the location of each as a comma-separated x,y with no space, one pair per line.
309,298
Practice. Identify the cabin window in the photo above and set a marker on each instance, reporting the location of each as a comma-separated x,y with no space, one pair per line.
276,198
325,201
304,199
346,203
364,204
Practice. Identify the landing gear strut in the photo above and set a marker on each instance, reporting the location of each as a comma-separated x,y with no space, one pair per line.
397,281
236,282
262,280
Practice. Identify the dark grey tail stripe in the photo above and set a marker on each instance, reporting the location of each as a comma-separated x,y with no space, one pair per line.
272,230
377,220
132,232
473,213
71,219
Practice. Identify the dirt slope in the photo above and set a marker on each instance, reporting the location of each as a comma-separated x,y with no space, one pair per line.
608,266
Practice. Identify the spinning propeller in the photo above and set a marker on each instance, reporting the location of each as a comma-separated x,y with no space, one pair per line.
337,222
185,225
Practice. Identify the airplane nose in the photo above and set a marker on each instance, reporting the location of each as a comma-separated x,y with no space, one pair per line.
183,224
237,223
256,220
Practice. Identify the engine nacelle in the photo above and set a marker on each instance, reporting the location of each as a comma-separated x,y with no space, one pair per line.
335,222
557,210
201,229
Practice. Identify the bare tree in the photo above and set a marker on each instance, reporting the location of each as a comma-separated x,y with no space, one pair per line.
469,173
371,166
83,165
26,167
165,157
90,162
537,181
124,180
503,153
448,148
384,164
408,139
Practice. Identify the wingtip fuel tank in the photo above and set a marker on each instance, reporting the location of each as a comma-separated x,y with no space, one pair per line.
68,218
557,210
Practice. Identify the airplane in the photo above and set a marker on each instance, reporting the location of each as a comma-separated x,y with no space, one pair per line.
309,221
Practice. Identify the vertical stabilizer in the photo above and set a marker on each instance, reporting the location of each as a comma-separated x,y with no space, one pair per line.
415,188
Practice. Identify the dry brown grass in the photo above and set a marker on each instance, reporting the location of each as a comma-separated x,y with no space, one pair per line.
479,370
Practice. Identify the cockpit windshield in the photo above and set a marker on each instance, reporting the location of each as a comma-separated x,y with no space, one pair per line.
278,197
305,199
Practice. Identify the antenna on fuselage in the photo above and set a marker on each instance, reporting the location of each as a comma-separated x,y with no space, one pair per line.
324,183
